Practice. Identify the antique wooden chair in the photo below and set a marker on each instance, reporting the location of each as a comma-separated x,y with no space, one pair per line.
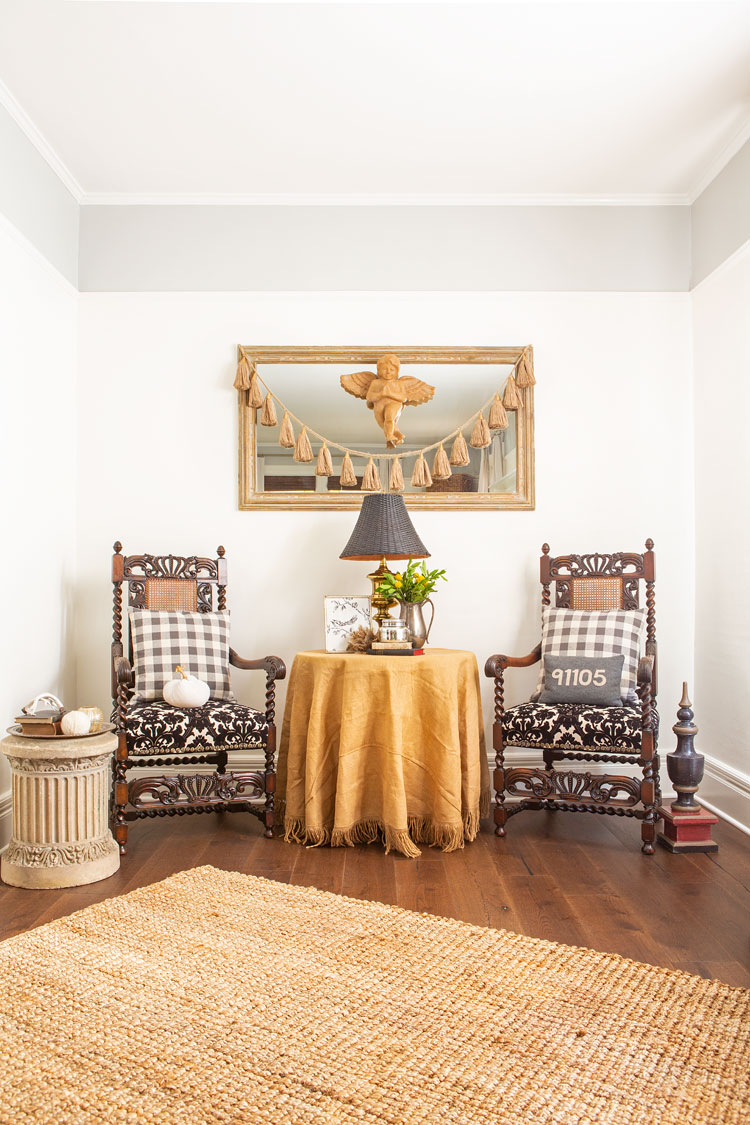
576,732
153,734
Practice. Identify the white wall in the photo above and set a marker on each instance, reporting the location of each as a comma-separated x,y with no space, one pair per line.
721,342
38,327
159,463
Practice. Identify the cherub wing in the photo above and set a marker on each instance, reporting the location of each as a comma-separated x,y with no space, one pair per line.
358,384
417,392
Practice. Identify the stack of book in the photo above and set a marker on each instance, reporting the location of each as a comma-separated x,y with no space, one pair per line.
43,722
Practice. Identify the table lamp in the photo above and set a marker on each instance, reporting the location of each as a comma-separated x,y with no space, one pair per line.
383,531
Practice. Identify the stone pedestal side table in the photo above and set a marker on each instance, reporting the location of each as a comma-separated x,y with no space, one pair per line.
60,798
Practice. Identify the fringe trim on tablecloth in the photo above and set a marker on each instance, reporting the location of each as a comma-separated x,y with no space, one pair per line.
421,830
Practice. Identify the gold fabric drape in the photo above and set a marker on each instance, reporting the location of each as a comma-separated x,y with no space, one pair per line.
383,746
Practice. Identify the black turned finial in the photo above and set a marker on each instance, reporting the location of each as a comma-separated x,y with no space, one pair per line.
685,765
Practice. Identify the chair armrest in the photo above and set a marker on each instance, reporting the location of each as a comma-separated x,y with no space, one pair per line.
496,664
123,671
274,666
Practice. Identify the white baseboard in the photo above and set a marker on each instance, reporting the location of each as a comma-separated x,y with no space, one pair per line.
5,819
726,792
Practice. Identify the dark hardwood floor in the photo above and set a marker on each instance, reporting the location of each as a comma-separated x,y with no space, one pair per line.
575,879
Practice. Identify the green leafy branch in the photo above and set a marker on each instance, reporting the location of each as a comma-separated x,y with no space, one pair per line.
414,584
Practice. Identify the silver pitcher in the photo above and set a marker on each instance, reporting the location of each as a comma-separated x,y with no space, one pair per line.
411,613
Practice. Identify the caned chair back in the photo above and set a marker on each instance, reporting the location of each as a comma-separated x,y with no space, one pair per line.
168,582
601,582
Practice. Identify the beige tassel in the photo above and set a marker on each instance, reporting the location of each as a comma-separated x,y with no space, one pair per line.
268,413
421,476
480,435
244,374
286,434
371,479
512,399
303,450
459,453
441,466
396,481
255,394
498,417
324,467
348,477
525,372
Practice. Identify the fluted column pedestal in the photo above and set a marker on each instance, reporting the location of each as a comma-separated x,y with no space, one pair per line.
60,795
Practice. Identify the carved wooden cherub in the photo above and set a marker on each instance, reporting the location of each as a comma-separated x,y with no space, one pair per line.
387,394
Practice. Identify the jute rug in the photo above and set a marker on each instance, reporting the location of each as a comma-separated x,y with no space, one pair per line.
218,997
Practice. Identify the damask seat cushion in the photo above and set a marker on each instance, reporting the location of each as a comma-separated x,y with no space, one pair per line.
573,726
155,727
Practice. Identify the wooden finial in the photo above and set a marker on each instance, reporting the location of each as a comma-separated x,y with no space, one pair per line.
545,548
685,701
117,546
220,552
649,544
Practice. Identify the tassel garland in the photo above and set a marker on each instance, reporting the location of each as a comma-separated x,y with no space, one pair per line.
254,394
459,452
324,467
421,476
525,372
371,479
268,413
286,434
303,450
396,480
480,435
348,477
244,374
441,466
498,417
512,399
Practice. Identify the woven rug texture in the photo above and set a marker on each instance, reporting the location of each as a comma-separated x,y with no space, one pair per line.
219,997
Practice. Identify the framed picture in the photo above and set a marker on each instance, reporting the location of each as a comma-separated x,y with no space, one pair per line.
344,613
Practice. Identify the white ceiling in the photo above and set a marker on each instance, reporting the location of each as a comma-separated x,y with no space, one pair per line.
368,101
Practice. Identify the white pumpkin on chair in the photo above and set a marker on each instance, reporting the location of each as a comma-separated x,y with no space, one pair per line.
186,691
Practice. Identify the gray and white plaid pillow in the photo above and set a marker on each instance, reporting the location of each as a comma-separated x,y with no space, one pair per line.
573,632
163,639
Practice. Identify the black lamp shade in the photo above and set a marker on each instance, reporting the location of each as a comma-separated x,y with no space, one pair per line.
384,530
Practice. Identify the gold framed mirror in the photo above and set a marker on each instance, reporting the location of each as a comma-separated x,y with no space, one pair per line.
306,383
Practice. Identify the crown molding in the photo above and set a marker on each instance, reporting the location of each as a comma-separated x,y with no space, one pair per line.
720,161
374,199
40,143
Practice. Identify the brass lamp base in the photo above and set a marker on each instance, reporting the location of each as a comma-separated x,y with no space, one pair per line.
380,603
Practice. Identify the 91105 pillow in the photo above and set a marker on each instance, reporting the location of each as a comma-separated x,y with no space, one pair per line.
163,639
594,680
614,632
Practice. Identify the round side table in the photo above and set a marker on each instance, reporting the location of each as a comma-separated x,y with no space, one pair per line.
60,795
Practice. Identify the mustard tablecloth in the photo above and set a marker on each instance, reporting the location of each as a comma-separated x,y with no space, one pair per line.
383,746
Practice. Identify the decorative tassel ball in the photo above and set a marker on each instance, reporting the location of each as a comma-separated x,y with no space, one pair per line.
324,467
268,413
255,394
525,372
459,452
512,399
286,434
371,479
441,466
498,418
244,374
396,481
421,476
303,450
480,435
348,476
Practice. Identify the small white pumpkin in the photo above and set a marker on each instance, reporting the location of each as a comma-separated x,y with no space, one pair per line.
75,723
186,691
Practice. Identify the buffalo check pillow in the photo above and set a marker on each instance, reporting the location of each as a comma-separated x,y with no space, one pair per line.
163,639
572,632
